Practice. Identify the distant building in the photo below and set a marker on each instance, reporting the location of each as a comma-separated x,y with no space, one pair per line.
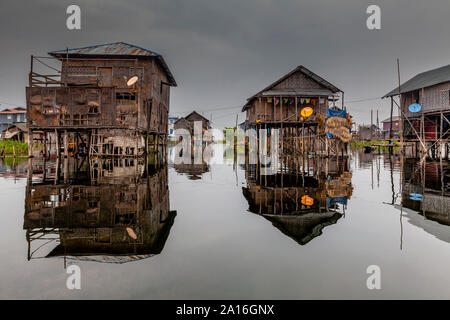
387,127
10,116
368,132
171,129
188,122
16,131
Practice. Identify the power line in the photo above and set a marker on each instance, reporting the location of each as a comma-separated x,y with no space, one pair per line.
239,107
362,100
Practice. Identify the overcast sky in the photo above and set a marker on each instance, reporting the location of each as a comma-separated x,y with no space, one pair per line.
222,52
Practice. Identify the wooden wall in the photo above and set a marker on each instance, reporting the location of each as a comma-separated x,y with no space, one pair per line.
287,112
103,81
432,99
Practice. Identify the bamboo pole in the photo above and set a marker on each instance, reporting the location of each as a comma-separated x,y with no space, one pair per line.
390,127
401,108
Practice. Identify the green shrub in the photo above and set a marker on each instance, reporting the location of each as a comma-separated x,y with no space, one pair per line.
362,144
21,147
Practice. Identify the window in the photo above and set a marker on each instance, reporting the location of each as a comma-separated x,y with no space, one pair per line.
93,109
9,117
126,96
171,131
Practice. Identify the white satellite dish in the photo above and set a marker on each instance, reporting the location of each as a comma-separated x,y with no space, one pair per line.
132,81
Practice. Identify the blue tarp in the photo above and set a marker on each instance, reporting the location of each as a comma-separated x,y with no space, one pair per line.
336,113
341,200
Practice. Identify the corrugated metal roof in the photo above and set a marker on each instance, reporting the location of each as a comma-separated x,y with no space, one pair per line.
116,48
423,80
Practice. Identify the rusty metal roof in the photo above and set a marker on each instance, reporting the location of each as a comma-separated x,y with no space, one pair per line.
13,111
116,49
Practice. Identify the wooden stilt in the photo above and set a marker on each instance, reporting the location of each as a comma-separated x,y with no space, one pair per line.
30,143
66,144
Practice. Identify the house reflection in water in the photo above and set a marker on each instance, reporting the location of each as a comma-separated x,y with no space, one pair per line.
302,198
108,210
193,170
426,189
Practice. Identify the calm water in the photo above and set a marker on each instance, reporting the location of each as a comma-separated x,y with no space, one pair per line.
225,231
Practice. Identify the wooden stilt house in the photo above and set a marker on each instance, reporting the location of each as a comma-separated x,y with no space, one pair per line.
297,104
101,100
424,123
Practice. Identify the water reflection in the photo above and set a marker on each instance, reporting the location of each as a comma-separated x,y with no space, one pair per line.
15,168
422,194
106,210
192,168
303,197
426,189
193,171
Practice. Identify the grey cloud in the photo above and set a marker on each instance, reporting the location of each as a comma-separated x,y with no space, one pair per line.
222,52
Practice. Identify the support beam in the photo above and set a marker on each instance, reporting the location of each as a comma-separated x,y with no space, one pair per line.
30,143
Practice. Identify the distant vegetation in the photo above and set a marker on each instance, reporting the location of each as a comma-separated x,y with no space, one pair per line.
361,144
21,148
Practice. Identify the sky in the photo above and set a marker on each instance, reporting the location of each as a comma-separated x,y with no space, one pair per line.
222,52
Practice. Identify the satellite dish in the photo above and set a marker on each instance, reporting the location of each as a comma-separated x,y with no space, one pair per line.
415,107
131,233
307,200
306,112
132,81
416,196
